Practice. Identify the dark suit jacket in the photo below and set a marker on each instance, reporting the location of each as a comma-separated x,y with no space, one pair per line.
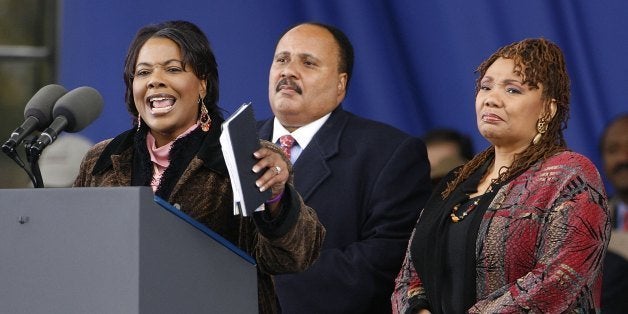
615,281
367,181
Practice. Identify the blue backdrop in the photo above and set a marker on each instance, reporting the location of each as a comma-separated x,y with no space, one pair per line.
415,60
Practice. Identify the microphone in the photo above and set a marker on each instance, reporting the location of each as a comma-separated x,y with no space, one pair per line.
37,115
72,113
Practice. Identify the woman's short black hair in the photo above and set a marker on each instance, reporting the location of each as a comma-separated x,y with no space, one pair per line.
196,52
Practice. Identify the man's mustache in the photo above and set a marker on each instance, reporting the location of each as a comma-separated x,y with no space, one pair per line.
290,83
620,167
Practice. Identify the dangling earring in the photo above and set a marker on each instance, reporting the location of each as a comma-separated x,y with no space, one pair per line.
139,122
541,128
204,120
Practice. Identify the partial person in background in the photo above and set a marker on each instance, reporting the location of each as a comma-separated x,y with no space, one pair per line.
523,226
366,180
614,150
446,150
60,162
171,81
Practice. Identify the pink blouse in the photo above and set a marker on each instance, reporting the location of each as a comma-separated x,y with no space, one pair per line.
159,156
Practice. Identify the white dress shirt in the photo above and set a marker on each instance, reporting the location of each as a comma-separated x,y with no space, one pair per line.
302,135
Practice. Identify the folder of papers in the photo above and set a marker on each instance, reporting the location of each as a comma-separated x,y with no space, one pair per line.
239,140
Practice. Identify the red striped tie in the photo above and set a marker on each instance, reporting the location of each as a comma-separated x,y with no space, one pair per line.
286,142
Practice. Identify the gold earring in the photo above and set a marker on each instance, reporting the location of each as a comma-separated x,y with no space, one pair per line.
204,120
139,122
541,128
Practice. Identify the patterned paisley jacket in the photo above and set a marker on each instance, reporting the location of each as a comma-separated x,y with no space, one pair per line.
539,246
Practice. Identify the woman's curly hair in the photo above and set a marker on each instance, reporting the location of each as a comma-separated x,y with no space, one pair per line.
538,62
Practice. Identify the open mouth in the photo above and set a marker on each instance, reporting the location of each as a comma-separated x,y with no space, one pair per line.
161,104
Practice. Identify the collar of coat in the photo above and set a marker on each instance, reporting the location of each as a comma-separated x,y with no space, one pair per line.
209,152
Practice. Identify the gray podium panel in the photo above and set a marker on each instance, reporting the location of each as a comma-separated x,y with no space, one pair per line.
114,250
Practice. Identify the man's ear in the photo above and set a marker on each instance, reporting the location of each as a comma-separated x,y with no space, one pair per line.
342,83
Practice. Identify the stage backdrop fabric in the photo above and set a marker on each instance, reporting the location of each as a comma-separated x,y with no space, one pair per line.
414,60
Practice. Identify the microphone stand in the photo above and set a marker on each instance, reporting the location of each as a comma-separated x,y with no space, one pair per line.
10,151
33,159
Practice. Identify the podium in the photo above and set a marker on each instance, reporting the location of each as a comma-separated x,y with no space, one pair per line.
115,250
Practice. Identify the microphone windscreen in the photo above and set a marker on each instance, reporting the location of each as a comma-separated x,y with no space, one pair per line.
41,104
81,106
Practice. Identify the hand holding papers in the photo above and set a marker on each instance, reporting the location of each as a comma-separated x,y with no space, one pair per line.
239,140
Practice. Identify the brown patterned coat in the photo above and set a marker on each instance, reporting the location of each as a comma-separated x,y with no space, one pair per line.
287,244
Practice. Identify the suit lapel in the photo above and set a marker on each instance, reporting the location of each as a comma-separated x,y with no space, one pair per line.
312,167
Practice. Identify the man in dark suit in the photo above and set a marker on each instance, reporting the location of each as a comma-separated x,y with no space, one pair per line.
614,150
366,180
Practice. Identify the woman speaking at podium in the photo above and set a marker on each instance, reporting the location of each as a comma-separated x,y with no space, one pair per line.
171,81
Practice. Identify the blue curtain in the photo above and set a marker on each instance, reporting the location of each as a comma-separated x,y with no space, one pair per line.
415,60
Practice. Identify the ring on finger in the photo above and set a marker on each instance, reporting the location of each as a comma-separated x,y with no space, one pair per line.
277,169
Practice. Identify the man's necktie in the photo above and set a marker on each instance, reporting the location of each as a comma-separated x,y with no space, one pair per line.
286,142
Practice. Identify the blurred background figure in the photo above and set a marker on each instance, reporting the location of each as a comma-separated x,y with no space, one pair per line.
446,149
60,162
614,151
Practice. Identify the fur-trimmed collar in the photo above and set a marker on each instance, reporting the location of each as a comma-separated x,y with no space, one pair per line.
209,152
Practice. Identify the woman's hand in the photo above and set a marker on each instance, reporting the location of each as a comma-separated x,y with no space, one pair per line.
275,176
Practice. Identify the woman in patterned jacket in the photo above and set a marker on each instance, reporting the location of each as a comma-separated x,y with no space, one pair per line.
171,81
523,226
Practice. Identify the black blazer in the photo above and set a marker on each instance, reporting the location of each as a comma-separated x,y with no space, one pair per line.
367,181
